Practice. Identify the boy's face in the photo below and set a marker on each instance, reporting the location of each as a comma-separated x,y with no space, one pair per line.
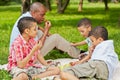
32,31
95,41
84,31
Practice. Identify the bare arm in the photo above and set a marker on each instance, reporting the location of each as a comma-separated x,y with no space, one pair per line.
43,30
42,40
79,43
42,60
22,63
46,30
86,58
40,28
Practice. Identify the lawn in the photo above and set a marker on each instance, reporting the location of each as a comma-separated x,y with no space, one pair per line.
63,24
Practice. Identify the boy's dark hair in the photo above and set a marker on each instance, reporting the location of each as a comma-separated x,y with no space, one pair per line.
84,22
99,31
25,23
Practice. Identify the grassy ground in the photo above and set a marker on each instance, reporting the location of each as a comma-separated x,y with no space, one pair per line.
63,24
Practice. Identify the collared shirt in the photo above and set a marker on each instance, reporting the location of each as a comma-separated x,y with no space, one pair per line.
19,50
105,52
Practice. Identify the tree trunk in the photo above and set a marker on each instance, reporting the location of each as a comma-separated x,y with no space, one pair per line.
106,4
25,6
48,4
62,5
80,6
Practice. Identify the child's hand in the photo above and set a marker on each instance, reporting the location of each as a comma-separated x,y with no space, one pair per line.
73,44
74,63
38,45
82,55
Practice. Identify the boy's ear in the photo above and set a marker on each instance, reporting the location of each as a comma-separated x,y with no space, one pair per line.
89,28
101,39
26,31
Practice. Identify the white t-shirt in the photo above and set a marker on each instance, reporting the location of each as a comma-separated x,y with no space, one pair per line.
105,52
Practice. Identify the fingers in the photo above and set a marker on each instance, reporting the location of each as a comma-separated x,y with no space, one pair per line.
72,44
48,24
40,44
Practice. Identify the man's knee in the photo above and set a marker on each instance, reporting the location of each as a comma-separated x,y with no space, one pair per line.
56,36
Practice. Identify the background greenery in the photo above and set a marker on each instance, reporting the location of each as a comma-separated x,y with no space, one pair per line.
63,24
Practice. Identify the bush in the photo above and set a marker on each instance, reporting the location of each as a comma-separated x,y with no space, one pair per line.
4,2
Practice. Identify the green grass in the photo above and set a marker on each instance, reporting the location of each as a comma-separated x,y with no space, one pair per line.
63,24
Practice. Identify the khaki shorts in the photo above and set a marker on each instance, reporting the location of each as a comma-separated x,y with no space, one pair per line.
93,70
29,71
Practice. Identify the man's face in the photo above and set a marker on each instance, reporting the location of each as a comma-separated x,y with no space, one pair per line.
39,15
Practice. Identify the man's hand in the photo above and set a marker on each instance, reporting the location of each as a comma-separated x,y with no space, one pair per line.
47,25
46,30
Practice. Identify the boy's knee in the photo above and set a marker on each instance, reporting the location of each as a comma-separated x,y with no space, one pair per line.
57,70
23,76
63,75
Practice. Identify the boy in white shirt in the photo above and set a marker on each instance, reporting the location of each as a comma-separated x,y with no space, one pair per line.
102,62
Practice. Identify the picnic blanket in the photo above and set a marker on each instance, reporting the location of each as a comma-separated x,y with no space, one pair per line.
64,61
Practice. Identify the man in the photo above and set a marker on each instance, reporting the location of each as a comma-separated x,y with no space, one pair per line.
37,11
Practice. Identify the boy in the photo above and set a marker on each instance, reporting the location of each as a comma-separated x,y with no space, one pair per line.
103,59
24,52
84,27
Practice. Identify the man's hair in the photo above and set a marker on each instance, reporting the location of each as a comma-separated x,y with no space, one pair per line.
84,22
25,23
36,6
99,31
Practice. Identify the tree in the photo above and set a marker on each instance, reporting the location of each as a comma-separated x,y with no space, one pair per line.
62,5
4,2
81,4
48,4
25,6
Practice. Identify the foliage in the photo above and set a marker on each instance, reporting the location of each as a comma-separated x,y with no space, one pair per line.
4,75
63,24
4,2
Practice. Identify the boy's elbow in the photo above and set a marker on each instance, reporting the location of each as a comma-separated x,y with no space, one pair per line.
89,57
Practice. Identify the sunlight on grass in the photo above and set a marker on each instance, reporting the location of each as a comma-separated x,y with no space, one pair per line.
63,24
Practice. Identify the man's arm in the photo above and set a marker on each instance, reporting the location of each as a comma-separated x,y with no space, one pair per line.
46,30
43,30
